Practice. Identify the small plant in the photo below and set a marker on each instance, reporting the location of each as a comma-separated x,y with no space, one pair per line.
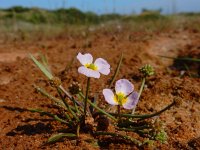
146,71
93,70
75,106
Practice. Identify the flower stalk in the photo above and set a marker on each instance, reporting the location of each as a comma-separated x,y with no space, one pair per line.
140,92
78,130
54,99
146,115
68,107
116,71
86,99
99,109
118,111
146,71
142,87
133,129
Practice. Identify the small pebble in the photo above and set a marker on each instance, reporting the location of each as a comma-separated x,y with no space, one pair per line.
2,100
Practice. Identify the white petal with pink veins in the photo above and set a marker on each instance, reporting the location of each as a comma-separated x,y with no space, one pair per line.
124,86
85,58
132,101
109,96
88,72
102,65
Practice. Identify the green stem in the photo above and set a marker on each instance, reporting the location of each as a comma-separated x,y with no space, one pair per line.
76,107
138,143
66,104
117,70
86,99
118,111
99,109
48,114
68,95
133,129
68,117
56,100
146,115
102,111
78,130
64,91
141,88
140,92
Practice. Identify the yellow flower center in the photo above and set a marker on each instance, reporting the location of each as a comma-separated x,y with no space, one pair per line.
91,66
120,98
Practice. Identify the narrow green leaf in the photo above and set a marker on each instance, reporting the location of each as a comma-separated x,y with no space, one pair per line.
99,109
116,70
35,110
54,99
48,114
41,67
145,116
44,62
56,137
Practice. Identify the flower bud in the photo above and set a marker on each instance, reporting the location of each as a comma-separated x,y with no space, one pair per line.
147,70
55,82
74,88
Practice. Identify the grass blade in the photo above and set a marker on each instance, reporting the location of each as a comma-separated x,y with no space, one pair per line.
54,99
56,137
145,116
45,62
99,109
41,67
48,114
116,70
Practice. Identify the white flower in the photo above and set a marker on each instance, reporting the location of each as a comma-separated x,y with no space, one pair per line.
125,96
91,69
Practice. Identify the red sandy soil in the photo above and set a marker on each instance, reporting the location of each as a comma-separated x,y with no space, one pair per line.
21,129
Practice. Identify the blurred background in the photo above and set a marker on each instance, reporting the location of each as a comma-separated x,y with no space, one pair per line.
110,6
71,16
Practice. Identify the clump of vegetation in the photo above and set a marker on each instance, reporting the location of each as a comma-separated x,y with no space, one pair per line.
56,23
79,112
70,16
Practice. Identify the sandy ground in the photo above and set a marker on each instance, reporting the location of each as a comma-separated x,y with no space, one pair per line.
21,129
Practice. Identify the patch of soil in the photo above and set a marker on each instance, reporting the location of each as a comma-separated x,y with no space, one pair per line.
21,129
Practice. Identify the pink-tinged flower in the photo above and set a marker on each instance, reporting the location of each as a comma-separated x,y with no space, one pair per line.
91,69
125,96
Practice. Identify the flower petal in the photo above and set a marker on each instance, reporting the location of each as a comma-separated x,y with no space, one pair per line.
85,58
88,72
102,65
132,101
109,96
124,86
